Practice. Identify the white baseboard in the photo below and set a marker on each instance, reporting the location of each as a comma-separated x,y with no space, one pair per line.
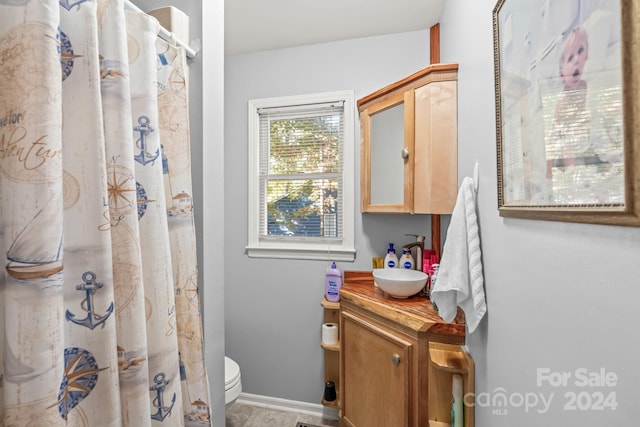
314,409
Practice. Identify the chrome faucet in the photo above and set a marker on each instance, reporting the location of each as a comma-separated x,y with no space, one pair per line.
419,244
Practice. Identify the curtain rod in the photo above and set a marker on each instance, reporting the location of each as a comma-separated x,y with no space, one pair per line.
165,34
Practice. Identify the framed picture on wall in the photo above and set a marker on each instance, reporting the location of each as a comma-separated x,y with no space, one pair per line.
567,81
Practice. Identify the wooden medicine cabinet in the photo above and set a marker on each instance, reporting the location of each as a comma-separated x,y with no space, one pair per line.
409,154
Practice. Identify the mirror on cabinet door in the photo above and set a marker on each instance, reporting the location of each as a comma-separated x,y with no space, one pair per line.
387,155
387,163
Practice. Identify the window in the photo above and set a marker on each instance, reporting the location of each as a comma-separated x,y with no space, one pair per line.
301,182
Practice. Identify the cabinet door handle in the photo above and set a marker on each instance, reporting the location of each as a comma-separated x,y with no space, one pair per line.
395,359
404,153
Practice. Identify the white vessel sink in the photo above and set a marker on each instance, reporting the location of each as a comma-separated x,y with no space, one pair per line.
399,282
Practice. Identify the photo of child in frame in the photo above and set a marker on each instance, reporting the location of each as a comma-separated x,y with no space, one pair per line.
584,156
572,119
575,53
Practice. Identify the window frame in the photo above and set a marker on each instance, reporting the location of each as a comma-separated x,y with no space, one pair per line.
297,247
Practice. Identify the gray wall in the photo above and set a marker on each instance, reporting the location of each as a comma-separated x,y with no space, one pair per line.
272,307
560,296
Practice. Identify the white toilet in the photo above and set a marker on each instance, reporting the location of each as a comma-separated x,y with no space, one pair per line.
232,383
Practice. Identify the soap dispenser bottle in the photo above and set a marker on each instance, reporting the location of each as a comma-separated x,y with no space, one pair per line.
406,261
391,260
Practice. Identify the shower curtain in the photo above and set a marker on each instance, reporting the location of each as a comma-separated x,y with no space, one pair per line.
99,310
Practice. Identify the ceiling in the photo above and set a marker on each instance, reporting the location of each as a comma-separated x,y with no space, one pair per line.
253,25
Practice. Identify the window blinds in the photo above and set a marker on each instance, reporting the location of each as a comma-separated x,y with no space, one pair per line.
300,171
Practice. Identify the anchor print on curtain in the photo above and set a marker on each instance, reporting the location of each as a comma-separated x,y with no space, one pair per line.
164,363
173,110
90,310
89,392
125,235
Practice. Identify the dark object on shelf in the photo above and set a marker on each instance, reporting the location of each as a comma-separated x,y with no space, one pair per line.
329,391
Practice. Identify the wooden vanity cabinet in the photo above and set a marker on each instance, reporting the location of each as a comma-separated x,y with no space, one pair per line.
384,355
408,151
378,367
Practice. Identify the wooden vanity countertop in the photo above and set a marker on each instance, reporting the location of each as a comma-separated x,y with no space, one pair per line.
416,312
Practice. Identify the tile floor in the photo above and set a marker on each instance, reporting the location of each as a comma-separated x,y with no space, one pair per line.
242,415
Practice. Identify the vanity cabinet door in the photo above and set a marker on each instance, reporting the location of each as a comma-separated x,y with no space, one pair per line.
377,380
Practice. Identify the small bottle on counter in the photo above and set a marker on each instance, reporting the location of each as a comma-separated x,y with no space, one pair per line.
333,283
426,268
433,276
406,261
391,260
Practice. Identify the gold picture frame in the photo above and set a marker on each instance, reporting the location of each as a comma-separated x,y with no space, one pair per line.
567,90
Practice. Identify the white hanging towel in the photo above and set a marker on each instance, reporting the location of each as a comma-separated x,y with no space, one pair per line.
460,281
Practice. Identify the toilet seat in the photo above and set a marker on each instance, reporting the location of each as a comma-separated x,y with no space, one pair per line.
231,373
232,380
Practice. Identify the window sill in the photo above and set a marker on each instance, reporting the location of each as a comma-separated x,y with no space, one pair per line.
334,254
